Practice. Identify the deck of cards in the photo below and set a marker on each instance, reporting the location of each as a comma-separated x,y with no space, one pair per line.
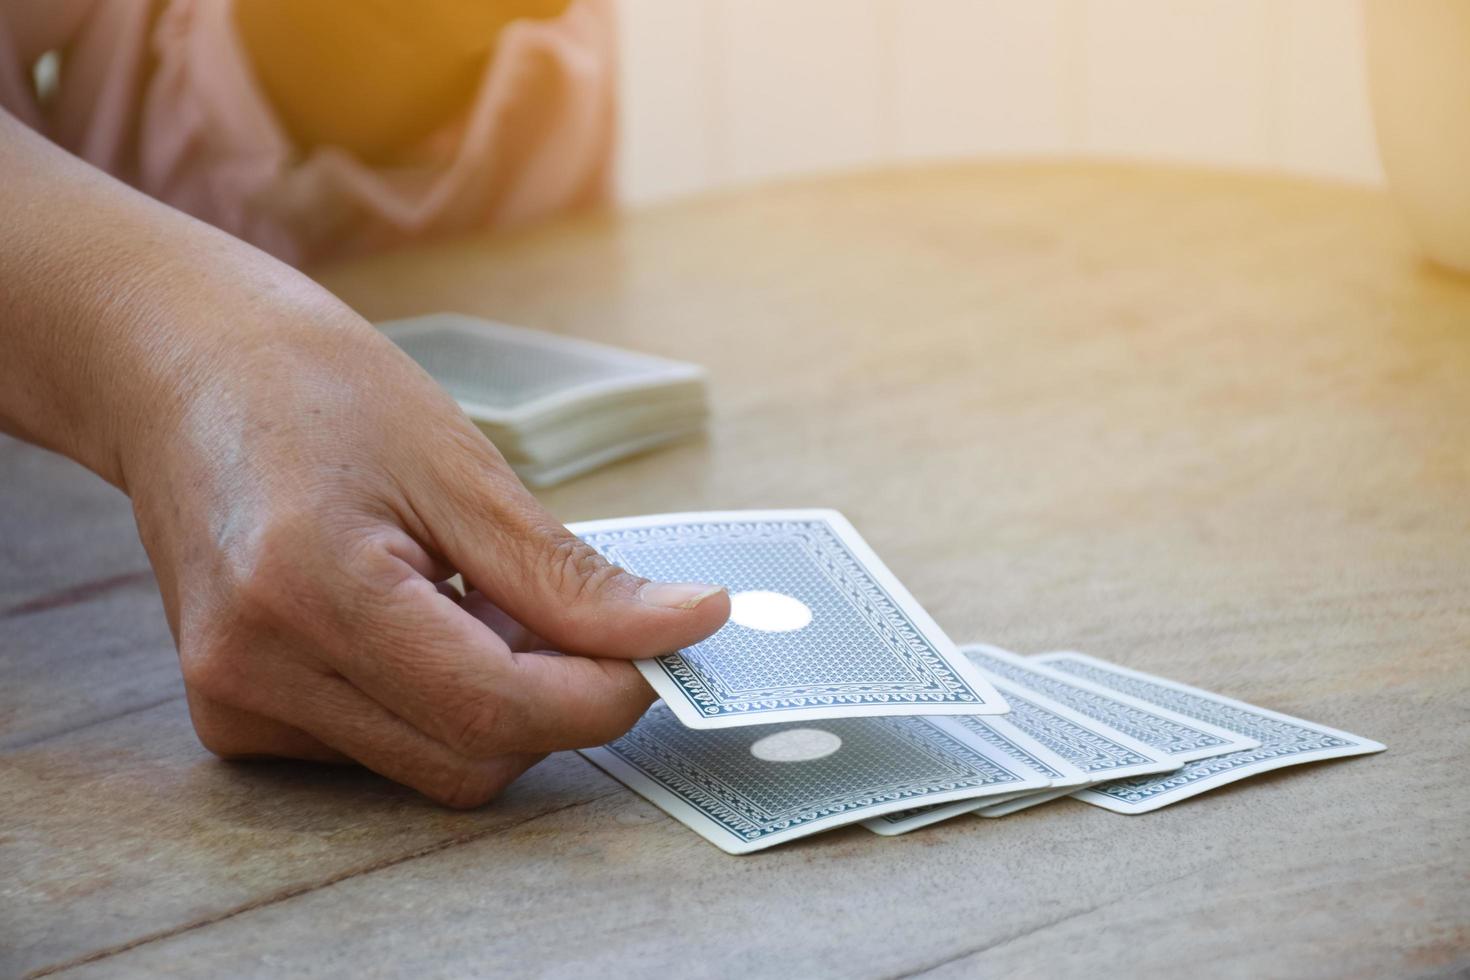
555,406
831,698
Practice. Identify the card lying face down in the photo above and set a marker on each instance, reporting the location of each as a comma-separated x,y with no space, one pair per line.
1175,736
745,789
1281,740
1061,777
1072,749
1101,751
819,627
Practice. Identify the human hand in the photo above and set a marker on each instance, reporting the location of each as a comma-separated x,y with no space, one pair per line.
303,490
303,504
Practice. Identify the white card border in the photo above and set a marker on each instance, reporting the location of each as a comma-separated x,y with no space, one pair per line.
1007,807
939,814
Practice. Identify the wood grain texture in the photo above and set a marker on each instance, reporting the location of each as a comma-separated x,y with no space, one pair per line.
1214,427
59,529
97,654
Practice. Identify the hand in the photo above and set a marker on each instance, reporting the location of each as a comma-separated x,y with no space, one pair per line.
303,504
304,491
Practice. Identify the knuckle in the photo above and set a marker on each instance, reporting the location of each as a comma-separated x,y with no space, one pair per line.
574,569
216,735
258,600
374,567
265,566
213,670
465,788
479,727
471,474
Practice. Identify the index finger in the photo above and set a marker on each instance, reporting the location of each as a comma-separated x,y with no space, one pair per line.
560,702
424,658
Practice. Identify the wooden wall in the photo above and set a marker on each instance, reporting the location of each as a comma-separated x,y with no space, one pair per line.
725,91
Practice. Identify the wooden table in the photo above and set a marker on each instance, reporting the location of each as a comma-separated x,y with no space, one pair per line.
1211,426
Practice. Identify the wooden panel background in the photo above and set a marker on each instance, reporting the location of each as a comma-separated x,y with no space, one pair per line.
724,91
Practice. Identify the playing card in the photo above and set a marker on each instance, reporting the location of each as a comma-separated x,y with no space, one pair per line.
819,628
547,475
1101,752
1281,739
1021,801
1180,738
750,788
512,376
555,406
1061,777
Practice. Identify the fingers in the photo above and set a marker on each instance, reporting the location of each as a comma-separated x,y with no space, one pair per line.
342,718
567,702
234,733
559,587
440,684
337,723
452,677
516,636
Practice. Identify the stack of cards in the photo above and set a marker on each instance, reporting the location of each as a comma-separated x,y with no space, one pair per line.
555,406
831,697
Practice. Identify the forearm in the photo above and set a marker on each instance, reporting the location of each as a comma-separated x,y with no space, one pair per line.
111,304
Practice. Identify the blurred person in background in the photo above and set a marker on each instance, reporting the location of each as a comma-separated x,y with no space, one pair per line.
303,489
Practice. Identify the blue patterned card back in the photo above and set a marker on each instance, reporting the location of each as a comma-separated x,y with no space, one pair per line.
722,784
1094,749
1282,740
1010,742
1177,736
857,644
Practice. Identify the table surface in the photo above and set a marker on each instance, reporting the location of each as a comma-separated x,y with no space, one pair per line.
1212,426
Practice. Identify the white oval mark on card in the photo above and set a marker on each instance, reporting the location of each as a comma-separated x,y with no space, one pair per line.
796,745
770,612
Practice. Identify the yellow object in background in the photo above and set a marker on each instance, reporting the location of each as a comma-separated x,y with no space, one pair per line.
373,76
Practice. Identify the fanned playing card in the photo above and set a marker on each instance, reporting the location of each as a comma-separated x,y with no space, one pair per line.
1061,777
1178,737
819,627
1281,739
744,789
1101,752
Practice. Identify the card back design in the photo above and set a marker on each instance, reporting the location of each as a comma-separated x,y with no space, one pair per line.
1178,736
1089,748
868,648
1001,736
1283,740
715,783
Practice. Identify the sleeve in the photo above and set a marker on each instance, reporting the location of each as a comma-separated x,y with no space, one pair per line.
535,139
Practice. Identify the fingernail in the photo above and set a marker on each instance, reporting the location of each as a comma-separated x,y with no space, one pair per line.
677,595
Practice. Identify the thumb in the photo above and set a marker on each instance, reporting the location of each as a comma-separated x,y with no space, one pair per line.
560,588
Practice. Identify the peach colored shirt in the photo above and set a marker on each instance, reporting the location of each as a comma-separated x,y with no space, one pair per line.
162,96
